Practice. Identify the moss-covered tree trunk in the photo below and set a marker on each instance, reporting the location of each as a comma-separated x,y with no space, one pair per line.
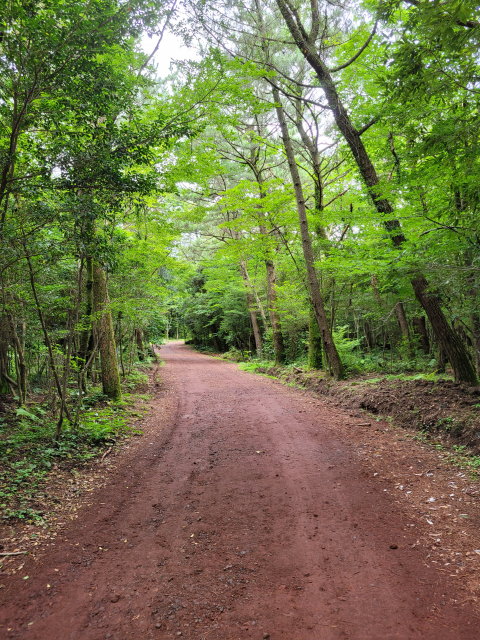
105,335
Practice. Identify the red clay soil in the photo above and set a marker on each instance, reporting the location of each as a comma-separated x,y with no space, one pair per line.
242,515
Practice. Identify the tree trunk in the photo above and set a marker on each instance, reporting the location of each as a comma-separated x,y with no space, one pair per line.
252,310
475,327
120,340
450,342
255,294
456,351
278,343
105,335
259,305
313,284
139,339
421,330
86,337
315,360
441,360
22,367
368,335
4,377
402,321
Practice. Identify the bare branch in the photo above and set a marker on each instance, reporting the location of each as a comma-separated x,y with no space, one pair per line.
359,52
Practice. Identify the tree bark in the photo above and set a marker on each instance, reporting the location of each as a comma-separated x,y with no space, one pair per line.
105,336
48,342
315,360
441,360
475,327
255,295
421,331
448,339
140,348
456,351
402,321
86,337
4,385
278,343
313,284
22,367
252,310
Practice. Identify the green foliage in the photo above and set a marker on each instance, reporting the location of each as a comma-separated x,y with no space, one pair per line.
29,453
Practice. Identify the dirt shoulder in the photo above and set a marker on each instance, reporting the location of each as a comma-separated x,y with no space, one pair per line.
61,495
442,410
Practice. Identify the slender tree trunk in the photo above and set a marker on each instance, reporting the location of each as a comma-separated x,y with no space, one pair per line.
120,346
252,310
4,377
20,360
368,335
105,335
255,294
441,360
402,321
313,284
66,372
259,305
456,351
48,342
421,330
139,339
475,327
278,343
86,337
315,360
71,335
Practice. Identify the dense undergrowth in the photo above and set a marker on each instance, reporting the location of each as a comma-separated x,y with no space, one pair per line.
29,454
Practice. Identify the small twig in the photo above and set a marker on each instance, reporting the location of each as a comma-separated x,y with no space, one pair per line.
15,553
105,454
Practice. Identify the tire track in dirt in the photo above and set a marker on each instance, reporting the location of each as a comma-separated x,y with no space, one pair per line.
243,517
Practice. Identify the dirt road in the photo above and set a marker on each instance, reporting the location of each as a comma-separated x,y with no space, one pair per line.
242,517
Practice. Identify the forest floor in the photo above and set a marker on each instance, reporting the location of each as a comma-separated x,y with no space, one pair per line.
250,509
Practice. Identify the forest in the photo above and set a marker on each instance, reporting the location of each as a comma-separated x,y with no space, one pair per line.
303,191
